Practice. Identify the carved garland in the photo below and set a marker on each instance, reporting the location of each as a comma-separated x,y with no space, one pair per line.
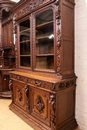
58,34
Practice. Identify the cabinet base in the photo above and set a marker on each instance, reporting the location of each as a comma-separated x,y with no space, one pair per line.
70,124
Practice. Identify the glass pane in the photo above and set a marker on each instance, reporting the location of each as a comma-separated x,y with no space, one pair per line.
45,40
25,61
25,43
44,17
44,46
45,62
25,36
25,48
25,25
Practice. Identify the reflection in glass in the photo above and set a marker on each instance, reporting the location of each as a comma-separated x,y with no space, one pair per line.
25,61
25,48
45,40
25,43
25,25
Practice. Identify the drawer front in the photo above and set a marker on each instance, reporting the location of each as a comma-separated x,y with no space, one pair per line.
40,107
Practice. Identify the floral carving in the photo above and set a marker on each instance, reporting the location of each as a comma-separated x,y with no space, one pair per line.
39,104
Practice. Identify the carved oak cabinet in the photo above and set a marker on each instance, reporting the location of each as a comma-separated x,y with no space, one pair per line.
43,84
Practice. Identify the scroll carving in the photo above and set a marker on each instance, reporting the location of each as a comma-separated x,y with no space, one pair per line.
66,84
31,5
20,96
39,104
38,83
53,106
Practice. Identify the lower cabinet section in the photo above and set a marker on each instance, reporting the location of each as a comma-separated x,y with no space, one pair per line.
43,108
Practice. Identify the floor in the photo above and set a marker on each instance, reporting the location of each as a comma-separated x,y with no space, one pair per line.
10,121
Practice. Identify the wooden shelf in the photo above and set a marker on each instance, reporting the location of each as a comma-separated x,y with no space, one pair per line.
45,55
44,24
25,41
24,30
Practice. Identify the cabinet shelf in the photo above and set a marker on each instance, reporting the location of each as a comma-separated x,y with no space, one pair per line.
45,55
25,30
44,24
44,37
24,55
24,41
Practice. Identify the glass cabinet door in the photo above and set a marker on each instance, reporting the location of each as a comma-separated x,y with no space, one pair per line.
25,55
44,40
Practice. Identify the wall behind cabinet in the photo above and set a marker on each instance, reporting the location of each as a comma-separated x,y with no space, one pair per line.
81,62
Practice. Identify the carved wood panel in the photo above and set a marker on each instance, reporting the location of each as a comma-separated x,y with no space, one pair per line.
20,92
40,105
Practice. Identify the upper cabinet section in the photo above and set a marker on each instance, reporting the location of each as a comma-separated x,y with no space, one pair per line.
45,36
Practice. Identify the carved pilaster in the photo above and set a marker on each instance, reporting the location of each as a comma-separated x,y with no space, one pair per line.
11,87
15,39
27,91
53,106
58,36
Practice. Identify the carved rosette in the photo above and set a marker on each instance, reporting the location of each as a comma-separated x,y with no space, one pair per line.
39,104
26,87
53,106
58,36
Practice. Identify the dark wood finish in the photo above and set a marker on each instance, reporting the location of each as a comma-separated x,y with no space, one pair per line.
43,84
7,49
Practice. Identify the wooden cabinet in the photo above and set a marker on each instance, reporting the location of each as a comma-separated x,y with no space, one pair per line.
43,84
7,49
